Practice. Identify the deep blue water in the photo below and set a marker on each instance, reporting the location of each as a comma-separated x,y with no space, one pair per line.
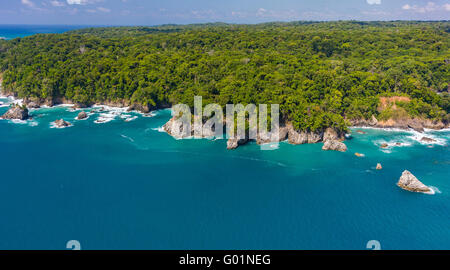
125,185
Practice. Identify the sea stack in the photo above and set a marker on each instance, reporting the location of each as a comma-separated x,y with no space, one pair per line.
234,143
334,146
16,112
82,115
61,123
410,183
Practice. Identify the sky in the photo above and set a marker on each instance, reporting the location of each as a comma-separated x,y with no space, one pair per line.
150,12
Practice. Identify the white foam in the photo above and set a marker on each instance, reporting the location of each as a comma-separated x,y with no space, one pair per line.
126,137
431,192
159,129
106,117
76,118
270,146
53,125
129,119
18,121
435,189
417,136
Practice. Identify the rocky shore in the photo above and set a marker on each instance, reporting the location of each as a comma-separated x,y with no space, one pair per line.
416,124
331,138
35,103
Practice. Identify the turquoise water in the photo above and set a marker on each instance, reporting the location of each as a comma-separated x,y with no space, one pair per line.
126,185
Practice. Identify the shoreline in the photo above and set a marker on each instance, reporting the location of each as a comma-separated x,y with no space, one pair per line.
125,109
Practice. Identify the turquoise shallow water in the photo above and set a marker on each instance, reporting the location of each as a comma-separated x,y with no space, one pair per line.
125,185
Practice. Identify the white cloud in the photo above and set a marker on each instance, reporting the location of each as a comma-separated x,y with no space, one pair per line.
102,9
429,7
57,3
99,9
406,7
447,7
82,2
374,2
28,3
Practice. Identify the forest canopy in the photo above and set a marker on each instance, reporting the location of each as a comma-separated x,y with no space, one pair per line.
321,74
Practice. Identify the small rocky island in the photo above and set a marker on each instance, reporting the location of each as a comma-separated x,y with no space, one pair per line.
16,112
410,183
81,116
61,123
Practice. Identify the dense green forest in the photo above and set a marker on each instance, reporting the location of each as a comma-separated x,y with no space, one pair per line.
319,73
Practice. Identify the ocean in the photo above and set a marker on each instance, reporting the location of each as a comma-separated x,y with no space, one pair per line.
121,183
14,31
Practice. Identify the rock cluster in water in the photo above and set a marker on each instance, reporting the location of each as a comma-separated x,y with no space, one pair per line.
330,137
427,140
16,112
61,123
409,182
332,141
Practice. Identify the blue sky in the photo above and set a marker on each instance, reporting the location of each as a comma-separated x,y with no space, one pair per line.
149,12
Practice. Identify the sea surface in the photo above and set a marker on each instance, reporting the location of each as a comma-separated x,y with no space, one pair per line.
115,181
15,31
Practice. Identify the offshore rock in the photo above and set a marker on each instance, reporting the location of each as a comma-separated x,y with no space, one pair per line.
16,112
234,143
82,115
334,145
61,123
409,182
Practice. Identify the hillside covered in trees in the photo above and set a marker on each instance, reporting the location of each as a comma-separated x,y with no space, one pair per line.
321,74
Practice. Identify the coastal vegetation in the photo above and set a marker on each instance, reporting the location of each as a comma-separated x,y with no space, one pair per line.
323,75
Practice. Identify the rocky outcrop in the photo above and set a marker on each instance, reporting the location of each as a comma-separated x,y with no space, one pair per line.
16,112
334,145
272,138
427,140
416,124
175,129
33,105
143,108
286,132
302,137
409,182
82,115
61,123
234,143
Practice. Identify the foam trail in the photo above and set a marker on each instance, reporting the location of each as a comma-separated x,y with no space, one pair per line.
126,137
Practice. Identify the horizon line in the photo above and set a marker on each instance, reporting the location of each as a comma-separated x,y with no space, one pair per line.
218,22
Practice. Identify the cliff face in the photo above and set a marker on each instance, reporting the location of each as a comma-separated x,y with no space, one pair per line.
397,117
416,124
